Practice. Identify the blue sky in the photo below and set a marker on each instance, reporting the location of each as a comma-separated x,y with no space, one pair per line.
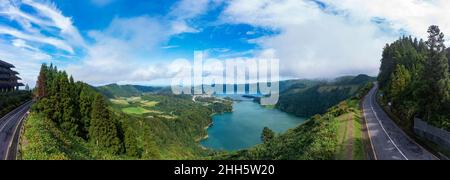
122,41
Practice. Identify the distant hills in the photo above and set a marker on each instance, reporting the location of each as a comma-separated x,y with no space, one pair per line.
300,97
115,90
306,98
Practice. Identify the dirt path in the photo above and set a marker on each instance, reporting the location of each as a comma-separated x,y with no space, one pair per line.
350,138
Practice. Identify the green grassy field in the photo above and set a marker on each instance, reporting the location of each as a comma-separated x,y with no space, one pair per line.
149,104
135,110
119,102
350,134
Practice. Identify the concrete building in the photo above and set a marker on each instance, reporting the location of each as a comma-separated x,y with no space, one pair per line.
8,77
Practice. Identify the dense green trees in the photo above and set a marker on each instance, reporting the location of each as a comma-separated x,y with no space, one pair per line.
103,131
316,99
41,82
435,76
448,57
400,80
131,143
11,100
115,90
414,78
77,109
267,135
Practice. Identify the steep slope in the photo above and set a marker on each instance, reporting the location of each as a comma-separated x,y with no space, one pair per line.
306,101
72,120
115,90
323,137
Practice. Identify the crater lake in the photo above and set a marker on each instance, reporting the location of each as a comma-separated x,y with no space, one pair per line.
242,128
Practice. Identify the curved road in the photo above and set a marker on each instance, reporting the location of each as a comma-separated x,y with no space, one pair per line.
10,126
388,141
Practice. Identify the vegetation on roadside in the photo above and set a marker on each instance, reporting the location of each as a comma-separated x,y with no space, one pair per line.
44,140
72,120
317,139
115,90
306,101
414,80
11,100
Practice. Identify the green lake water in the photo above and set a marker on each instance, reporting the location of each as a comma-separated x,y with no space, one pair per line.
242,128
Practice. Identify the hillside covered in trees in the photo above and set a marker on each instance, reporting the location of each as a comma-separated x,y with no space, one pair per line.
115,90
322,137
307,99
11,100
72,120
76,110
414,79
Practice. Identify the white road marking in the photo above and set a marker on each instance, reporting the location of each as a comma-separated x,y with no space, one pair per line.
1,129
6,122
13,135
368,131
382,127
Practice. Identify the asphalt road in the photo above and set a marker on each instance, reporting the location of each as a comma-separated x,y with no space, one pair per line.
10,126
388,141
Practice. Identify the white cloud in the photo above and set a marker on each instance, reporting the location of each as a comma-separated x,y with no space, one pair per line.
184,10
414,16
37,38
123,52
339,40
25,58
120,53
311,43
26,43
47,18
67,30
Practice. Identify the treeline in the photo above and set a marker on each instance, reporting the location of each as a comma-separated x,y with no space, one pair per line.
77,109
115,90
11,100
414,79
316,139
307,101
218,106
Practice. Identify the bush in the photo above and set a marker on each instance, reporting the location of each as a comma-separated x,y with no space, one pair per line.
11,100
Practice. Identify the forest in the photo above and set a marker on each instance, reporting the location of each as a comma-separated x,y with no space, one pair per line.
414,80
78,110
317,139
308,99
11,100
72,120
115,90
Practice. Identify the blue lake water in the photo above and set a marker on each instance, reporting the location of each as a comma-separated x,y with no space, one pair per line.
242,128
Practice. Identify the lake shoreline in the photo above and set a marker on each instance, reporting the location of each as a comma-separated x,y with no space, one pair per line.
241,128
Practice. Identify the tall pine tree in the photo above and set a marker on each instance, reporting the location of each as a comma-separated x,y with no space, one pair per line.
400,80
435,77
267,135
103,131
387,66
41,84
